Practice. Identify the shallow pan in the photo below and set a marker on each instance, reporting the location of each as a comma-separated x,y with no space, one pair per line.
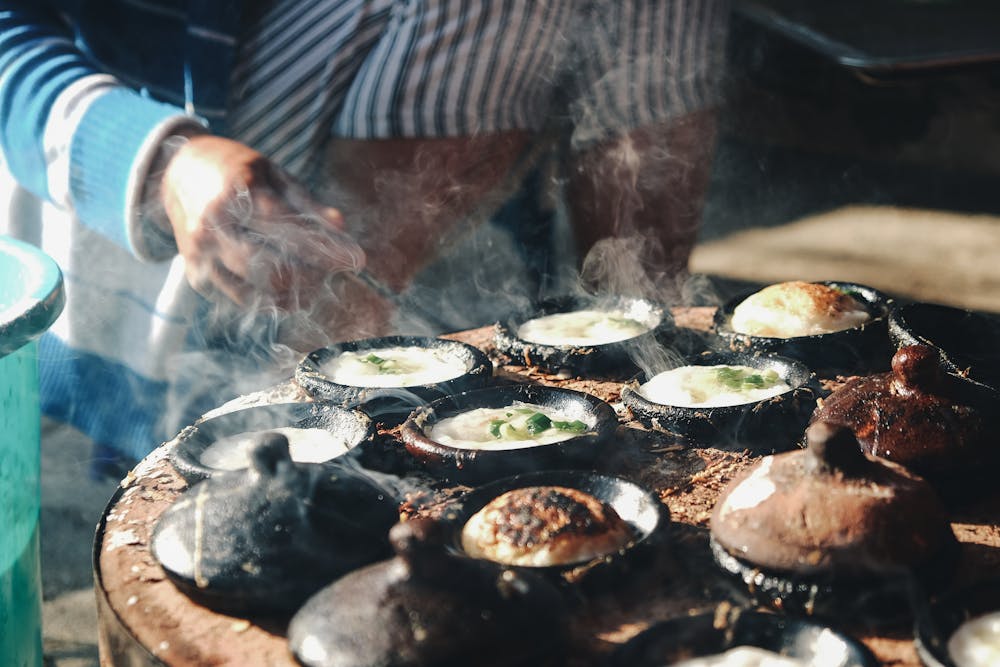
609,359
354,426
642,510
938,622
861,349
690,637
769,425
392,404
967,343
479,465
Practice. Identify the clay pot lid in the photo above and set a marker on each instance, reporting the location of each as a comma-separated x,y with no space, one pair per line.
426,607
266,537
831,509
914,415
967,343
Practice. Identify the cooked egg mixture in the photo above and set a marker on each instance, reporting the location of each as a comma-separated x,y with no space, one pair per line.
305,445
394,367
516,426
745,656
581,327
712,386
787,310
976,643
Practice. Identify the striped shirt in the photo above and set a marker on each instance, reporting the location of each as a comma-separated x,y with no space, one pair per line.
87,95
387,68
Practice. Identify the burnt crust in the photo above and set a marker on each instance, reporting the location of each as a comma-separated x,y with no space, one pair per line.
566,520
800,296
526,517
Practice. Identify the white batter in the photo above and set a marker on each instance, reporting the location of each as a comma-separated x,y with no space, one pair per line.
582,327
976,643
394,367
788,310
712,386
744,656
513,427
305,445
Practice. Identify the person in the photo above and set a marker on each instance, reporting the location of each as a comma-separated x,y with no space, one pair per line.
228,184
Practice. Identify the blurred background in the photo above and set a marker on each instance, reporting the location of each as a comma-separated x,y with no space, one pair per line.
860,141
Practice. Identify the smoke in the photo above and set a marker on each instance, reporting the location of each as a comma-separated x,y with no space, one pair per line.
614,266
461,232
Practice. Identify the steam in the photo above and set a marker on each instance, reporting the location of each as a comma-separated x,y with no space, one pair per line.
613,267
393,486
444,249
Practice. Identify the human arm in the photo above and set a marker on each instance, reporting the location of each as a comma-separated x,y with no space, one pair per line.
256,242
77,137
74,135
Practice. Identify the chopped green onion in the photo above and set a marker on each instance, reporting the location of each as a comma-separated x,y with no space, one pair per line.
537,423
736,379
495,428
575,426
386,366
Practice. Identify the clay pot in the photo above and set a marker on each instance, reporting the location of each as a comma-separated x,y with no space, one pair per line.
606,360
832,530
860,349
710,634
939,621
267,537
648,518
392,404
354,427
967,343
479,465
426,607
915,416
771,425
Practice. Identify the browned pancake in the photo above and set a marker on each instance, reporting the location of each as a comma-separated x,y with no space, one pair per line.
545,525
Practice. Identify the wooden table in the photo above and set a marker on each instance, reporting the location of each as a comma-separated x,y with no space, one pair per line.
144,620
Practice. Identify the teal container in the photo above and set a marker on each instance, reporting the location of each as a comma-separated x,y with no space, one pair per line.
31,297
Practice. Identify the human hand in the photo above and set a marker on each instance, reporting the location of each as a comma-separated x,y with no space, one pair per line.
248,232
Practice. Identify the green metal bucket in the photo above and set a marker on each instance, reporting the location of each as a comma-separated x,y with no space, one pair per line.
31,297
